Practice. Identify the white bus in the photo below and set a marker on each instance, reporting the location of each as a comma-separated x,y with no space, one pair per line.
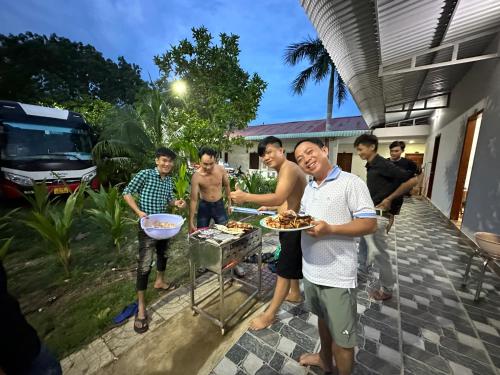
43,144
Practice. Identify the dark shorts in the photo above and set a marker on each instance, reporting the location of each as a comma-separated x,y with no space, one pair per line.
211,210
290,261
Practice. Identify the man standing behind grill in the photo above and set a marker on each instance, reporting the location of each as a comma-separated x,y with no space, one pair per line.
287,196
155,189
207,183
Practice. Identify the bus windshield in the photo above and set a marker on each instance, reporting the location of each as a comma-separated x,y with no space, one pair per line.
22,141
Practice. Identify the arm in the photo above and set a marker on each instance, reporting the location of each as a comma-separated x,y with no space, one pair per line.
195,190
135,187
402,189
283,190
354,228
133,205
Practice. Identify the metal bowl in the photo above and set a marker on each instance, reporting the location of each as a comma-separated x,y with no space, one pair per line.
162,233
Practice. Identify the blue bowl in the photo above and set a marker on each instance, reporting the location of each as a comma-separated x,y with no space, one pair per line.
162,233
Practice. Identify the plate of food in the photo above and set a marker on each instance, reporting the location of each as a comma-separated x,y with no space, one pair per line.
287,222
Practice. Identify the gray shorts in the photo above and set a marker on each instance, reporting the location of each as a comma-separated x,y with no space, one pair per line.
338,308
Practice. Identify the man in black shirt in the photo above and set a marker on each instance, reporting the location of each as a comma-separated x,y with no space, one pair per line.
396,149
386,182
21,351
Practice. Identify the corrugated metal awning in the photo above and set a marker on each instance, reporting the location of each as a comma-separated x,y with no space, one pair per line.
330,134
391,52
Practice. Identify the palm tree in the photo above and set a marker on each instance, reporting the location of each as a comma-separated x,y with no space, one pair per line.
321,67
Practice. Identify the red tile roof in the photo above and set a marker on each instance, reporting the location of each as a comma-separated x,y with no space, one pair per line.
308,126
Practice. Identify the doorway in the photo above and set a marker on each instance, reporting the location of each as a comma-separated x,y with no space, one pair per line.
465,168
344,161
437,141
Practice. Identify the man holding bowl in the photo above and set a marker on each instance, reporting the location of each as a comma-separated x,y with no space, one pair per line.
155,190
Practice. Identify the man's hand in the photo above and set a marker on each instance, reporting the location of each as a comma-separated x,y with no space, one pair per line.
192,227
321,228
384,205
264,208
141,214
180,203
238,196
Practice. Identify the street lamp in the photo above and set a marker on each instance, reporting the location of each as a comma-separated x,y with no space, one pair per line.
180,88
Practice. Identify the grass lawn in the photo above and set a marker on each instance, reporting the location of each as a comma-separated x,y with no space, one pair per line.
102,281
69,313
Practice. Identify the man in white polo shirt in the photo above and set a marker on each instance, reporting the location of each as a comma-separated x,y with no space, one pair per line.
342,208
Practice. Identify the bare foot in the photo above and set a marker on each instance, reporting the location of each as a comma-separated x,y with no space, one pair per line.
294,298
162,285
314,359
261,322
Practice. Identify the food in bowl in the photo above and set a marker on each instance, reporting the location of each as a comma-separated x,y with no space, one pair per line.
288,220
159,224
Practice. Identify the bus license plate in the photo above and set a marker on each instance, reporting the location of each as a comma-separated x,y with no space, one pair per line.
61,190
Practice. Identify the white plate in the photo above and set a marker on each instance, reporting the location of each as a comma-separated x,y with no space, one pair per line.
263,224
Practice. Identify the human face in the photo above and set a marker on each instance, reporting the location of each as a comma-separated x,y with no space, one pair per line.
396,153
164,165
312,159
273,156
207,163
365,152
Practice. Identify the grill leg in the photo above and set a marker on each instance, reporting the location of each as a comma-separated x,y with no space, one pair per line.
221,306
467,270
480,283
192,276
259,266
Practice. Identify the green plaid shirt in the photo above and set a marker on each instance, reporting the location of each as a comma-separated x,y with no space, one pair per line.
154,192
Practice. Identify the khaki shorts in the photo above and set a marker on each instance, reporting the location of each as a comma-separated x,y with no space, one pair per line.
338,308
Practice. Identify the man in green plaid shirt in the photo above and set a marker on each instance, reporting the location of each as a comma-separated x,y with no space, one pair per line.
155,190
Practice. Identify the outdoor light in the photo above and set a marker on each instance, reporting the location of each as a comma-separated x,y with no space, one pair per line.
179,87
412,141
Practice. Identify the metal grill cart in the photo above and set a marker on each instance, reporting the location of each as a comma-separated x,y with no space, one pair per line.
221,260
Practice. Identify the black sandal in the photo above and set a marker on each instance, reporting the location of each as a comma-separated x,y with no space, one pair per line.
144,326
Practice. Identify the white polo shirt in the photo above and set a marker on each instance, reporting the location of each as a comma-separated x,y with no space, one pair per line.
332,260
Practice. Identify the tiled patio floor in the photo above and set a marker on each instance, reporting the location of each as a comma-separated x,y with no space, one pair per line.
430,326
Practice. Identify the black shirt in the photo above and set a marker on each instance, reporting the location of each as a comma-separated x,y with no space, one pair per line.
383,178
19,343
408,165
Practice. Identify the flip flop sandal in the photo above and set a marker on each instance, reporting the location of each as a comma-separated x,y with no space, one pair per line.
144,324
169,287
127,312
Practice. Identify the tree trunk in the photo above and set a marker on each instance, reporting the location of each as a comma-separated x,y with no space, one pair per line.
329,103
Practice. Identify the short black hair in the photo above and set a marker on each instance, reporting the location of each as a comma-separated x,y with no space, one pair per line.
261,148
367,140
207,151
164,151
317,141
397,144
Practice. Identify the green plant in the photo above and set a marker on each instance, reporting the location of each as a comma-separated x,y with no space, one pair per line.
40,200
55,227
4,222
109,213
181,182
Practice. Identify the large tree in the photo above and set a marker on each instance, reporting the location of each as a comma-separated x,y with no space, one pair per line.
36,68
221,97
321,66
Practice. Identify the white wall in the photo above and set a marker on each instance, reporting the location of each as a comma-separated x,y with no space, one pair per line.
478,90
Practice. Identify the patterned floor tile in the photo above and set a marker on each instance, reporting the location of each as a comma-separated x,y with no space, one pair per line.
431,325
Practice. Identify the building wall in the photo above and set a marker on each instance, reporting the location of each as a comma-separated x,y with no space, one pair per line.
478,90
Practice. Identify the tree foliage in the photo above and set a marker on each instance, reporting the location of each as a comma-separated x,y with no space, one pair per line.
221,97
36,68
321,67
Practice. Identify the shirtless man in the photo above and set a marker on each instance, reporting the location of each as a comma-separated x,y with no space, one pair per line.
207,183
287,196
